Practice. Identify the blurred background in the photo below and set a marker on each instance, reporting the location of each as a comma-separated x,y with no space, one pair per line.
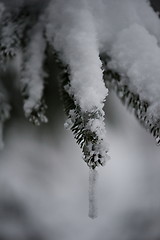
44,181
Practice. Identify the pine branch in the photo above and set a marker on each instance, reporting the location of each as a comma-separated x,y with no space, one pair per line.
15,27
80,123
18,34
115,81
32,81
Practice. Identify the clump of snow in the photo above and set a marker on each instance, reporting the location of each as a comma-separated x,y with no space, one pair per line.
111,17
33,74
128,31
72,32
100,149
136,54
81,30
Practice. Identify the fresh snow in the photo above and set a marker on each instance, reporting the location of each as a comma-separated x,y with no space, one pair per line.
32,72
136,54
71,30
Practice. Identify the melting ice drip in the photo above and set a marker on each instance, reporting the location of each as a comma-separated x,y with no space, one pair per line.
92,193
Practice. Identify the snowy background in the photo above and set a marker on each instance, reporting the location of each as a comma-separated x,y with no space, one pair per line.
44,181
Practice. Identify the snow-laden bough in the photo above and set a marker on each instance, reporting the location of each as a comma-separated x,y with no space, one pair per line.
97,45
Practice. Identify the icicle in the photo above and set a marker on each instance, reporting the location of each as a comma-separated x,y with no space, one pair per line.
92,193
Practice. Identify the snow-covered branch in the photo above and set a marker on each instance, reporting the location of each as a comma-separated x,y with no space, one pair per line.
80,32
